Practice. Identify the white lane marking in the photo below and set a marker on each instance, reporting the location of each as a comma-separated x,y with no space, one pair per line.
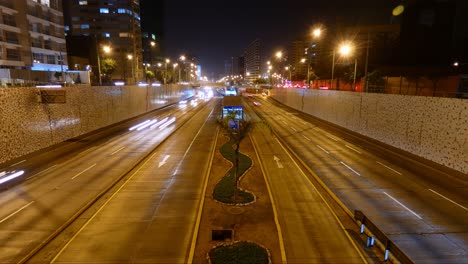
294,129
353,149
284,122
449,199
42,171
280,166
347,166
83,171
117,150
389,168
324,150
161,163
316,128
306,137
403,205
19,162
334,138
17,211
304,123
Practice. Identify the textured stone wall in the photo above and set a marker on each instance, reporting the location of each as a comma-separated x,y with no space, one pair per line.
26,125
430,127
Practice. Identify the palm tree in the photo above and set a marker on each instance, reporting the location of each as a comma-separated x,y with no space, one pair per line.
237,130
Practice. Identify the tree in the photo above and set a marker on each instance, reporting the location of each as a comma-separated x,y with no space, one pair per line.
237,130
149,75
108,67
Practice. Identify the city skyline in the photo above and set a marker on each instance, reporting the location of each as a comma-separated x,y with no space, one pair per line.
216,31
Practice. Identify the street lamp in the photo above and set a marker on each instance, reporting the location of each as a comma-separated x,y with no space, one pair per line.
344,49
182,58
279,54
316,32
130,58
288,68
174,66
165,69
106,49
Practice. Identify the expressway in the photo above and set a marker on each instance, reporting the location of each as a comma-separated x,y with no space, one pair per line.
423,210
62,192
311,230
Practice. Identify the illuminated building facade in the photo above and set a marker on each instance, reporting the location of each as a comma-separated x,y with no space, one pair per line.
32,35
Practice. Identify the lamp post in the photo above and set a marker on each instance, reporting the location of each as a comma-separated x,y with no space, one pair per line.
316,34
165,69
174,66
182,58
130,58
288,68
344,49
106,49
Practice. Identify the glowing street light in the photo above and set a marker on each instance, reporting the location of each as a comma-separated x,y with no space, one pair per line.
316,32
106,49
279,54
345,49
152,43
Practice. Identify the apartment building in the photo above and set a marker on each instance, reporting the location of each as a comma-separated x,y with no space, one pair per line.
111,23
252,60
32,35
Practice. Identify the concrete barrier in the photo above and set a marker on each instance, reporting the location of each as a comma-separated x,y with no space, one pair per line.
27,124
433,128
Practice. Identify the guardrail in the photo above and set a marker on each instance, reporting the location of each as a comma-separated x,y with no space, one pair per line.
375,233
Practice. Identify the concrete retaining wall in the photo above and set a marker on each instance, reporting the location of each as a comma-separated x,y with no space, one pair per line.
430,127
26,125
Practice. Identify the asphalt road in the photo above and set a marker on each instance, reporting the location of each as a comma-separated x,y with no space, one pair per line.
151,218
423,210
53,191
311,231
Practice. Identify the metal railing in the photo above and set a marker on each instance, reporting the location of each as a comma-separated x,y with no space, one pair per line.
375,233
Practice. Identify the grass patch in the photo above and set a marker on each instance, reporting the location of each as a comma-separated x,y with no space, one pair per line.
225,189
239,253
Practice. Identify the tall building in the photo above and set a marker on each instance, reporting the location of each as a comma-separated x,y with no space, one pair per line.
113,23
32,35
297,51
253,62
152,27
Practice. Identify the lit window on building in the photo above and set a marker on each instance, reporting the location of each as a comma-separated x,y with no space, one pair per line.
104,10
121,10
107,35
124,34
85,26
83,2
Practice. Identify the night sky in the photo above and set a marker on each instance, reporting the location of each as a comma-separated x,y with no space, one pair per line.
215,30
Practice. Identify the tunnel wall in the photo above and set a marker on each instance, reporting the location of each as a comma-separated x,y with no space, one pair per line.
27,125
433,128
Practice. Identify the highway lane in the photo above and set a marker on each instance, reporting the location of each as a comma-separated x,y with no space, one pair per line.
35,209
425,214
151,218
311,231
